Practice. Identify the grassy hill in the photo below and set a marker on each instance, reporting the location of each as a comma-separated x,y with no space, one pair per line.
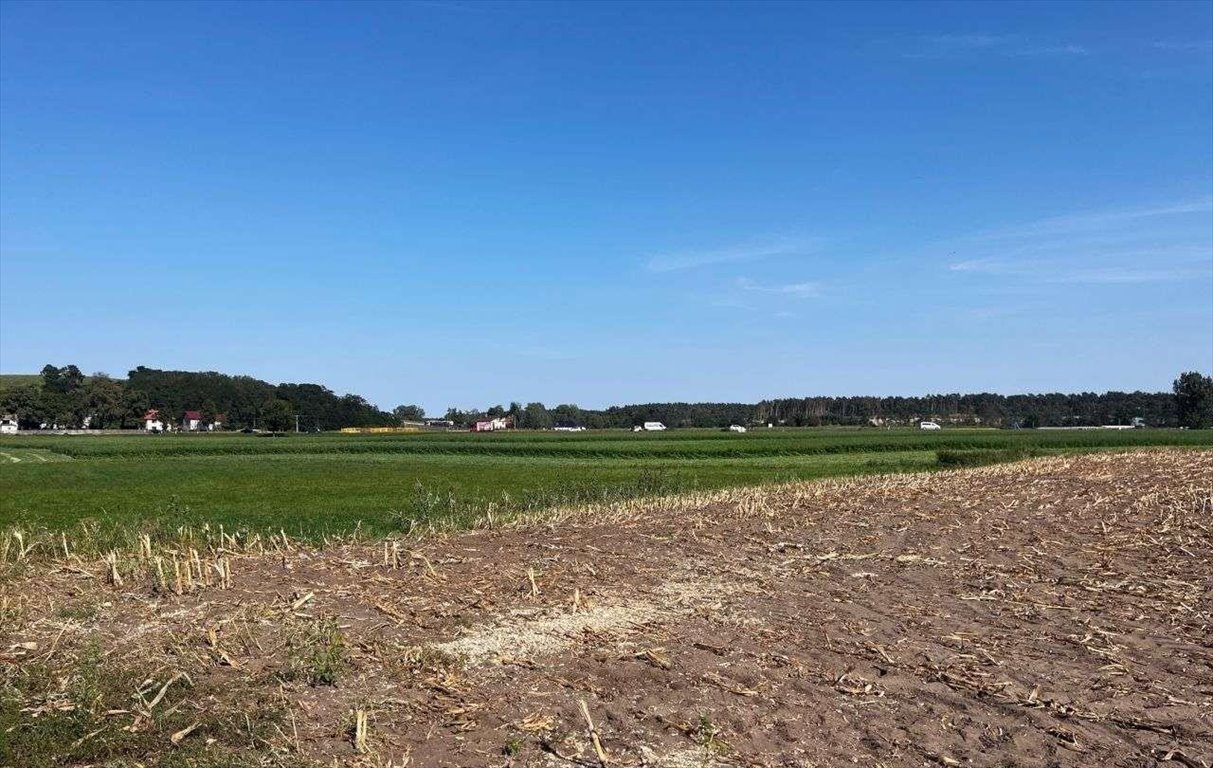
12,380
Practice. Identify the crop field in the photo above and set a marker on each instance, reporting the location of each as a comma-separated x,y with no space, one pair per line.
1053,611
313,486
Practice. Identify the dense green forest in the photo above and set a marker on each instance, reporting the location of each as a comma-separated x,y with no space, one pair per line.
1059,410
67,398
1189,405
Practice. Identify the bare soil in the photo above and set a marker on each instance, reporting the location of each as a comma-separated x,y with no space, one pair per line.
1052,612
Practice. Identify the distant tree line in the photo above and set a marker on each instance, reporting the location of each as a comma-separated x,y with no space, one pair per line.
1190,404
1086,409
529,416
65,397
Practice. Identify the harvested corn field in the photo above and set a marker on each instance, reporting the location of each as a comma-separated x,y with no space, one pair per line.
1051,612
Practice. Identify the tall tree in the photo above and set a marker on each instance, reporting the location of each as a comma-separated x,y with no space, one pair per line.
567,415
134,405
277,415
25,402
63,380
409,413
103,399
536,416
1194,400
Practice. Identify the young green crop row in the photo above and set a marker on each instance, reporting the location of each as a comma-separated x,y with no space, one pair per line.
605,445
316,495
317,485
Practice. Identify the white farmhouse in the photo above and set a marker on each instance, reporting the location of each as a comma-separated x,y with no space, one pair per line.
8,425
492,425
152,421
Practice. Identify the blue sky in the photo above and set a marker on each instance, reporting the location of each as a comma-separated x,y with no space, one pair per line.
464,204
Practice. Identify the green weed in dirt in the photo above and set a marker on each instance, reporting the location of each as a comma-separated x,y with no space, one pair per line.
95,711
317,653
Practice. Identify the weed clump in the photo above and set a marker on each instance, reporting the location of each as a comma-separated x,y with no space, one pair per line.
317,653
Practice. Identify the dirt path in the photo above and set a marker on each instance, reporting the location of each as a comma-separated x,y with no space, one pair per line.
1055,612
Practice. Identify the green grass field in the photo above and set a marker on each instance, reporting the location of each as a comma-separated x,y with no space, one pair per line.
311,485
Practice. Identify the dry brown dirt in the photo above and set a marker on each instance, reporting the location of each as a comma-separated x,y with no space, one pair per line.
1052,612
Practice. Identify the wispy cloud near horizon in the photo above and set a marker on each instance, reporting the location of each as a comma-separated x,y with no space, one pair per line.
752,251
1128,246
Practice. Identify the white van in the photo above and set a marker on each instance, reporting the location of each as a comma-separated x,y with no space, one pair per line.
928,425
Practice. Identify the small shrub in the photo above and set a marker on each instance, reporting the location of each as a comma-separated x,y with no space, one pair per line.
317,653
708,735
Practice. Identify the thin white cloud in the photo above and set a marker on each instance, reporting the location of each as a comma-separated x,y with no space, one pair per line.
1101,221
1183,45
968,42
806,290
1052,50
1162,243
1128,275
976,265
753,251
729,303
962,46
1106,275
536,351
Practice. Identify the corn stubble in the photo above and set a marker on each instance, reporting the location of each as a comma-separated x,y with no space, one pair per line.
802,622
